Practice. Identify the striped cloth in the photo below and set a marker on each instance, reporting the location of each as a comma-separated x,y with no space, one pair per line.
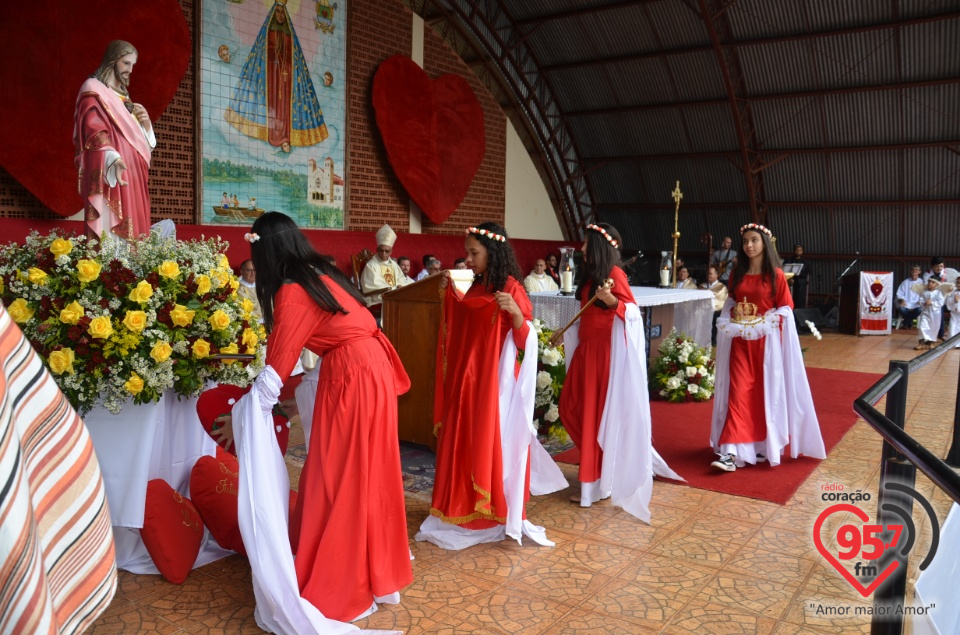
57,569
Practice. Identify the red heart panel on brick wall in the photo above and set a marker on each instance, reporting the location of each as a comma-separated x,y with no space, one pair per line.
47,49
433,133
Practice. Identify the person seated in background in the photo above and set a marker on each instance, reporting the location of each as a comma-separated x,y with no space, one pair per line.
433,267
405,265
724,258
908,301
248,288
423,272
684,281
460,263
720,293
538,280
553,268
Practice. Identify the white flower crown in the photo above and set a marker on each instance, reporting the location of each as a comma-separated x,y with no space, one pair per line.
251,237
486,232
756,227
601,230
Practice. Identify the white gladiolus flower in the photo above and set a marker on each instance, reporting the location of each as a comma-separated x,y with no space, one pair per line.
693,389
543,379
691,371
552,414
551,356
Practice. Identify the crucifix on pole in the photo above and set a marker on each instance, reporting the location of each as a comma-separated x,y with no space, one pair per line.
677,195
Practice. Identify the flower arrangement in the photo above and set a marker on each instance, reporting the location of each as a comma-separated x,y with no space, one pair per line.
551,372
122,321
683,372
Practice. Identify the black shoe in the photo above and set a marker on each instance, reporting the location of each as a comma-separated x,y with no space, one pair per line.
761,458
726,462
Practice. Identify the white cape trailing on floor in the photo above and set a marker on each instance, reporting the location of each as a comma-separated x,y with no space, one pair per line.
517,436
629,460
788,404
262,513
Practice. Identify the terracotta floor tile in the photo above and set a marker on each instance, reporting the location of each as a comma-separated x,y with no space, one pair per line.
671,575
407,616
569,586
579,622
722,528
769,565
234,569
794,543
508,611
124,617
646,606
627,531
445,591
590,554
131,586
485,561
702,616
769,598
697,548
786,628
213,604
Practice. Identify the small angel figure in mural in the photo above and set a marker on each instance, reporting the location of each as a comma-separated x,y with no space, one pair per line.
328,79
224,53
275,99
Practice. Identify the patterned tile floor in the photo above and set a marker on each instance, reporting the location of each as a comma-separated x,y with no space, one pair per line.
709,563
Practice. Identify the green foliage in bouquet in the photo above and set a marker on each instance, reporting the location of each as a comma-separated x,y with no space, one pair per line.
551,373
683,372
123,321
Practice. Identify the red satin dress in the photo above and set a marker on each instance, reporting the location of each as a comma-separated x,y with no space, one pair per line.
585,388
349,527
468,488
746,420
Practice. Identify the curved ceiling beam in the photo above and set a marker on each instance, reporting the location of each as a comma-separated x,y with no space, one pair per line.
488,25
716,22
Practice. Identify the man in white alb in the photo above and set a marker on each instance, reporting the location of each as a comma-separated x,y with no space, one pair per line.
538,280
382,272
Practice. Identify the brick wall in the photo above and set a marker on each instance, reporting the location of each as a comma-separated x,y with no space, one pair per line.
377,30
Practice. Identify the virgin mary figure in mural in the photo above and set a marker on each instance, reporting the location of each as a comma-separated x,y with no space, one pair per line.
274,99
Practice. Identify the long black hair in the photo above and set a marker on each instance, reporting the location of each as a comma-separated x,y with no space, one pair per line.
283,254
771,262
501,261
599,260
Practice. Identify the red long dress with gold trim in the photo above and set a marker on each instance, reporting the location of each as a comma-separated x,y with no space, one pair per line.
585,387
349,526
746,420
468,487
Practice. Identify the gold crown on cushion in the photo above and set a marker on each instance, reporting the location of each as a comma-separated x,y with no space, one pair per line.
745,313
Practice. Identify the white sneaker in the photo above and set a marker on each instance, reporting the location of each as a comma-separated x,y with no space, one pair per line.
761,458
726,462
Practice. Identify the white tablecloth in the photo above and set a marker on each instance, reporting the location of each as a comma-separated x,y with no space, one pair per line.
693,309
142,443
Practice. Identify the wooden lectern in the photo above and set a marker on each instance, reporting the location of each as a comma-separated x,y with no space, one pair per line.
411,320
849,319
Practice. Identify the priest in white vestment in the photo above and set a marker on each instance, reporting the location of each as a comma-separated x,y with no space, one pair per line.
248,288
382,273
538,280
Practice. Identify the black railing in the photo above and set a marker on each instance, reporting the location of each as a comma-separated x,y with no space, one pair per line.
902,457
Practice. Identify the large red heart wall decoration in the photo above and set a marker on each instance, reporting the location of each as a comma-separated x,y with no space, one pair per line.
433,133
47,49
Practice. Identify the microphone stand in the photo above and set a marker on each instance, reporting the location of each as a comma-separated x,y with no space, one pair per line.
840,286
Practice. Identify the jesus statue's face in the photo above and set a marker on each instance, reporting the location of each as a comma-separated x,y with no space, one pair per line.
124,68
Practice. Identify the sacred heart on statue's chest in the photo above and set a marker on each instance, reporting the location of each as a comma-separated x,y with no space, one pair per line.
433,133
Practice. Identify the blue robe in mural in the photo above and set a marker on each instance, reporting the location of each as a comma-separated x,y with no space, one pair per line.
274,99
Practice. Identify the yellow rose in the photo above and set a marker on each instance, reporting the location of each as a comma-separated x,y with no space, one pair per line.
201,349
249,338
71,313
61,247
19,311
169,269
203,284
247,305
234,283
61,361
223,262
231,349
161,352
219,278
36,276
134,385
251,350
141,293
135,321
181,316
89,270
219,320
100,328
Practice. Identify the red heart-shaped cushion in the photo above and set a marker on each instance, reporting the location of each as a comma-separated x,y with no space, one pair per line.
49,48
219,401
172,531
433,133
214,484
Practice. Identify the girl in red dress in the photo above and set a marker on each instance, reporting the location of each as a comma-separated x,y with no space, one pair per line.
349,526
486,383
762,399
604,402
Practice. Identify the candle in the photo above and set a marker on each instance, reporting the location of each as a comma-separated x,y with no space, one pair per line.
566,281
664,277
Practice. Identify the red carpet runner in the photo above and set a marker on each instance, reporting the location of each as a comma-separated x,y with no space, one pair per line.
681,434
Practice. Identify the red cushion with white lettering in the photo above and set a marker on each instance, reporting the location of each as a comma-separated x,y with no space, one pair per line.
214,484
172,531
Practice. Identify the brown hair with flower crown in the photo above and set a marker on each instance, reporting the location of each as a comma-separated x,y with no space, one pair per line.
771,260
